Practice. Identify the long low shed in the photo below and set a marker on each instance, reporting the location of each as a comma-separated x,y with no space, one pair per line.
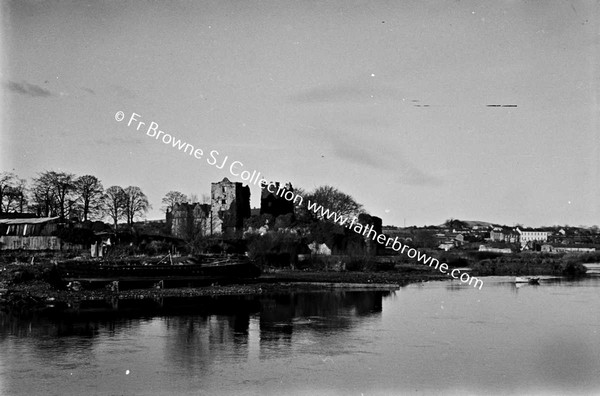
30,243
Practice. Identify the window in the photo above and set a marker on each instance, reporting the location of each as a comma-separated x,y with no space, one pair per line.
223,201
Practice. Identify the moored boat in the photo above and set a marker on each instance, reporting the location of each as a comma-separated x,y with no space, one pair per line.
519,279
528,279
210,268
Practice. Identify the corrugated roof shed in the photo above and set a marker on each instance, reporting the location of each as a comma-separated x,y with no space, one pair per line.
35,220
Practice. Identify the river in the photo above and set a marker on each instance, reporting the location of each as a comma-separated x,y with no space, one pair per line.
434,337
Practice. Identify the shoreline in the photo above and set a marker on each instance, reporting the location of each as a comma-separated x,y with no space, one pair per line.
26,286
37,294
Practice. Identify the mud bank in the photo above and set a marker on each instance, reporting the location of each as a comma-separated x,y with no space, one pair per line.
23,288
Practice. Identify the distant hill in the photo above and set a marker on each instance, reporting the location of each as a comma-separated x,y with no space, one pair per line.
472,223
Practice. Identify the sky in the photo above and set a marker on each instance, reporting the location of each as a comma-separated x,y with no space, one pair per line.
388,101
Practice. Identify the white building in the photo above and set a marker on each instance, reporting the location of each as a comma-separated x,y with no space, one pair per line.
533,235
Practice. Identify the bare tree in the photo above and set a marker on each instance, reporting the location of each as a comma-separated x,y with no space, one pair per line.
171,199
336,201
43,196
114,202
13,193
22,191
136,203
89,191
54,194
7,181
63,185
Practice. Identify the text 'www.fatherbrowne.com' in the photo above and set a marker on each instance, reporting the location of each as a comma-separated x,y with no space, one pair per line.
236,168
394,243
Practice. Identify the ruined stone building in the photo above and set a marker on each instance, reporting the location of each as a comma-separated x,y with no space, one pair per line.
372,246
189,220
230,205
274,203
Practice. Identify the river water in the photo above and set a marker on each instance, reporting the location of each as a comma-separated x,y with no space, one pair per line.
435,337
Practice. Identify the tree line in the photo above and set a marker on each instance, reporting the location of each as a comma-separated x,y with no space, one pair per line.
68,196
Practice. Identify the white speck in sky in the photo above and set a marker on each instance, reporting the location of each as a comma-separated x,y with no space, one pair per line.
126,372
372,75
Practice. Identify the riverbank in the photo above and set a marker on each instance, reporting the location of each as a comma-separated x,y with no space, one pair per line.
26,286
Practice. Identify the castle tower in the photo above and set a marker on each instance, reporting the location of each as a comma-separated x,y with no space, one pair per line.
230,205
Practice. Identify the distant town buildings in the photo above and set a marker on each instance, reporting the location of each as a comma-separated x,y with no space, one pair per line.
532,235
483,248
504,234
567,249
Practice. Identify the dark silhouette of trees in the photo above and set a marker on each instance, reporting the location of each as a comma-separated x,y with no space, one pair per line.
113,204
42,196
425,239
13,193
171,199
89,191
53,194
333,199
456,224
136,203
6,182
63,185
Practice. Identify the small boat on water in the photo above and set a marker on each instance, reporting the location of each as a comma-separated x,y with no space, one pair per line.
528,279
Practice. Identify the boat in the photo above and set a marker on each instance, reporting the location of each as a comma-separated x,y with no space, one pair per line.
199,268
528,279
519,279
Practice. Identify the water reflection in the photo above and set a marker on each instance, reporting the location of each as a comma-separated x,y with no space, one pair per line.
196,326
435,336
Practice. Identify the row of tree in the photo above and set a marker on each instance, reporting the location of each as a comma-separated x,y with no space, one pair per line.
69,196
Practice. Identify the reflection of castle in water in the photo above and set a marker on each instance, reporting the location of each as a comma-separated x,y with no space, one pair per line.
198,330
270,329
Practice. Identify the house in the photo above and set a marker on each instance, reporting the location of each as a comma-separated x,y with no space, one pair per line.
446,246
483,248
547,248
450,240
532,235
504,234
319,249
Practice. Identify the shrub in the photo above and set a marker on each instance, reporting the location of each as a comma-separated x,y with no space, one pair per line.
157,247
276,249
